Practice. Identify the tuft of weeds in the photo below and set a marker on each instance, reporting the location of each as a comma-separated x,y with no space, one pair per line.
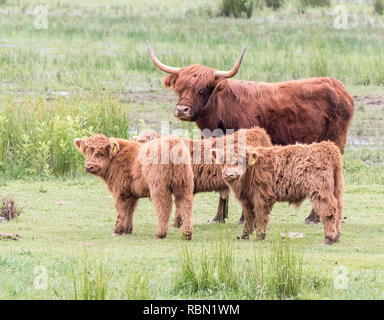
212,270
215,271
378,5
90,283
237,8
137,286
8,209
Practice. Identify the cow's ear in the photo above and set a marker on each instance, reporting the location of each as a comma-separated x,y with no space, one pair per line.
78,143
170,80
114,147
252,158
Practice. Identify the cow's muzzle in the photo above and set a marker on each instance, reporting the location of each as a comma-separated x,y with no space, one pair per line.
183,112
92,169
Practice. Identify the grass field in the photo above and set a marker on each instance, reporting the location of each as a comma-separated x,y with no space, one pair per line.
89,72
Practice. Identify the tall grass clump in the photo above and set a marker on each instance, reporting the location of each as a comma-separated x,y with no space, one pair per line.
37,134
315,3
285,270
212,270
217,272
90,283
137,286
274,4
379,6
237,8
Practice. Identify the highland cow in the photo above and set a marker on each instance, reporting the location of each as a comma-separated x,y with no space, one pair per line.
303,111
290,174
130,171
207,175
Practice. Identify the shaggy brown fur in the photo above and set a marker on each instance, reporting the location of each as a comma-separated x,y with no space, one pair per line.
304,111
129,175
291,174
207,176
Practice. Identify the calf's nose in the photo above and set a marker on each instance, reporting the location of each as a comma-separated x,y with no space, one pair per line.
88,169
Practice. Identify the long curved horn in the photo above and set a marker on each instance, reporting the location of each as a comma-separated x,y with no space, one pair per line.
161,66
235,69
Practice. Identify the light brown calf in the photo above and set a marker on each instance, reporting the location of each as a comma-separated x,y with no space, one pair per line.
130,173
207,174
291,174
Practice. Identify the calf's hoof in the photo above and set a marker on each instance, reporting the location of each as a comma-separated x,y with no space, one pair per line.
160,235
121,230
313,218
244,236
186,236
176,224
328,240
260,237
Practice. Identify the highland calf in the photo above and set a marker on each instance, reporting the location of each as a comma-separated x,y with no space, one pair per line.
207,174
130,171
291,174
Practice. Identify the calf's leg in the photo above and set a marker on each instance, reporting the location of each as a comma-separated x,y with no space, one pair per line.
262,214
249,221
313,218
124,220
162,201
184,205
326,205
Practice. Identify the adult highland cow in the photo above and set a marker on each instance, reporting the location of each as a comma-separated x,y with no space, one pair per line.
305,111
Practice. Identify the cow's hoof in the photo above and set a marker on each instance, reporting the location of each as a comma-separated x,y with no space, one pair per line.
161,235
218,219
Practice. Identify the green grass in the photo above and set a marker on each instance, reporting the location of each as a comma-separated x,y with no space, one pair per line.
68,230
90,72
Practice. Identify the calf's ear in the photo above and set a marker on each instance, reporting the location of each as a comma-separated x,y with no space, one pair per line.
252,158
78,143
114,147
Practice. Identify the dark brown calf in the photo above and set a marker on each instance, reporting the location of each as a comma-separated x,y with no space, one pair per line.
291,174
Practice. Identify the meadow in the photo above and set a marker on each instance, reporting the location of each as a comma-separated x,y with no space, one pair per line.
89,71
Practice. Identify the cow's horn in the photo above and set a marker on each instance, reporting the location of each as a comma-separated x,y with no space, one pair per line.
161,66
235,69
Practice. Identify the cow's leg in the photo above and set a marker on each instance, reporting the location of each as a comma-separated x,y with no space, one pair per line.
222,209
241,220
184,211
124,221
313,218
162,201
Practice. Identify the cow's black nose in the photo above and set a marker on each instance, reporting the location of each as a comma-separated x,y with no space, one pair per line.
182,108
88,169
